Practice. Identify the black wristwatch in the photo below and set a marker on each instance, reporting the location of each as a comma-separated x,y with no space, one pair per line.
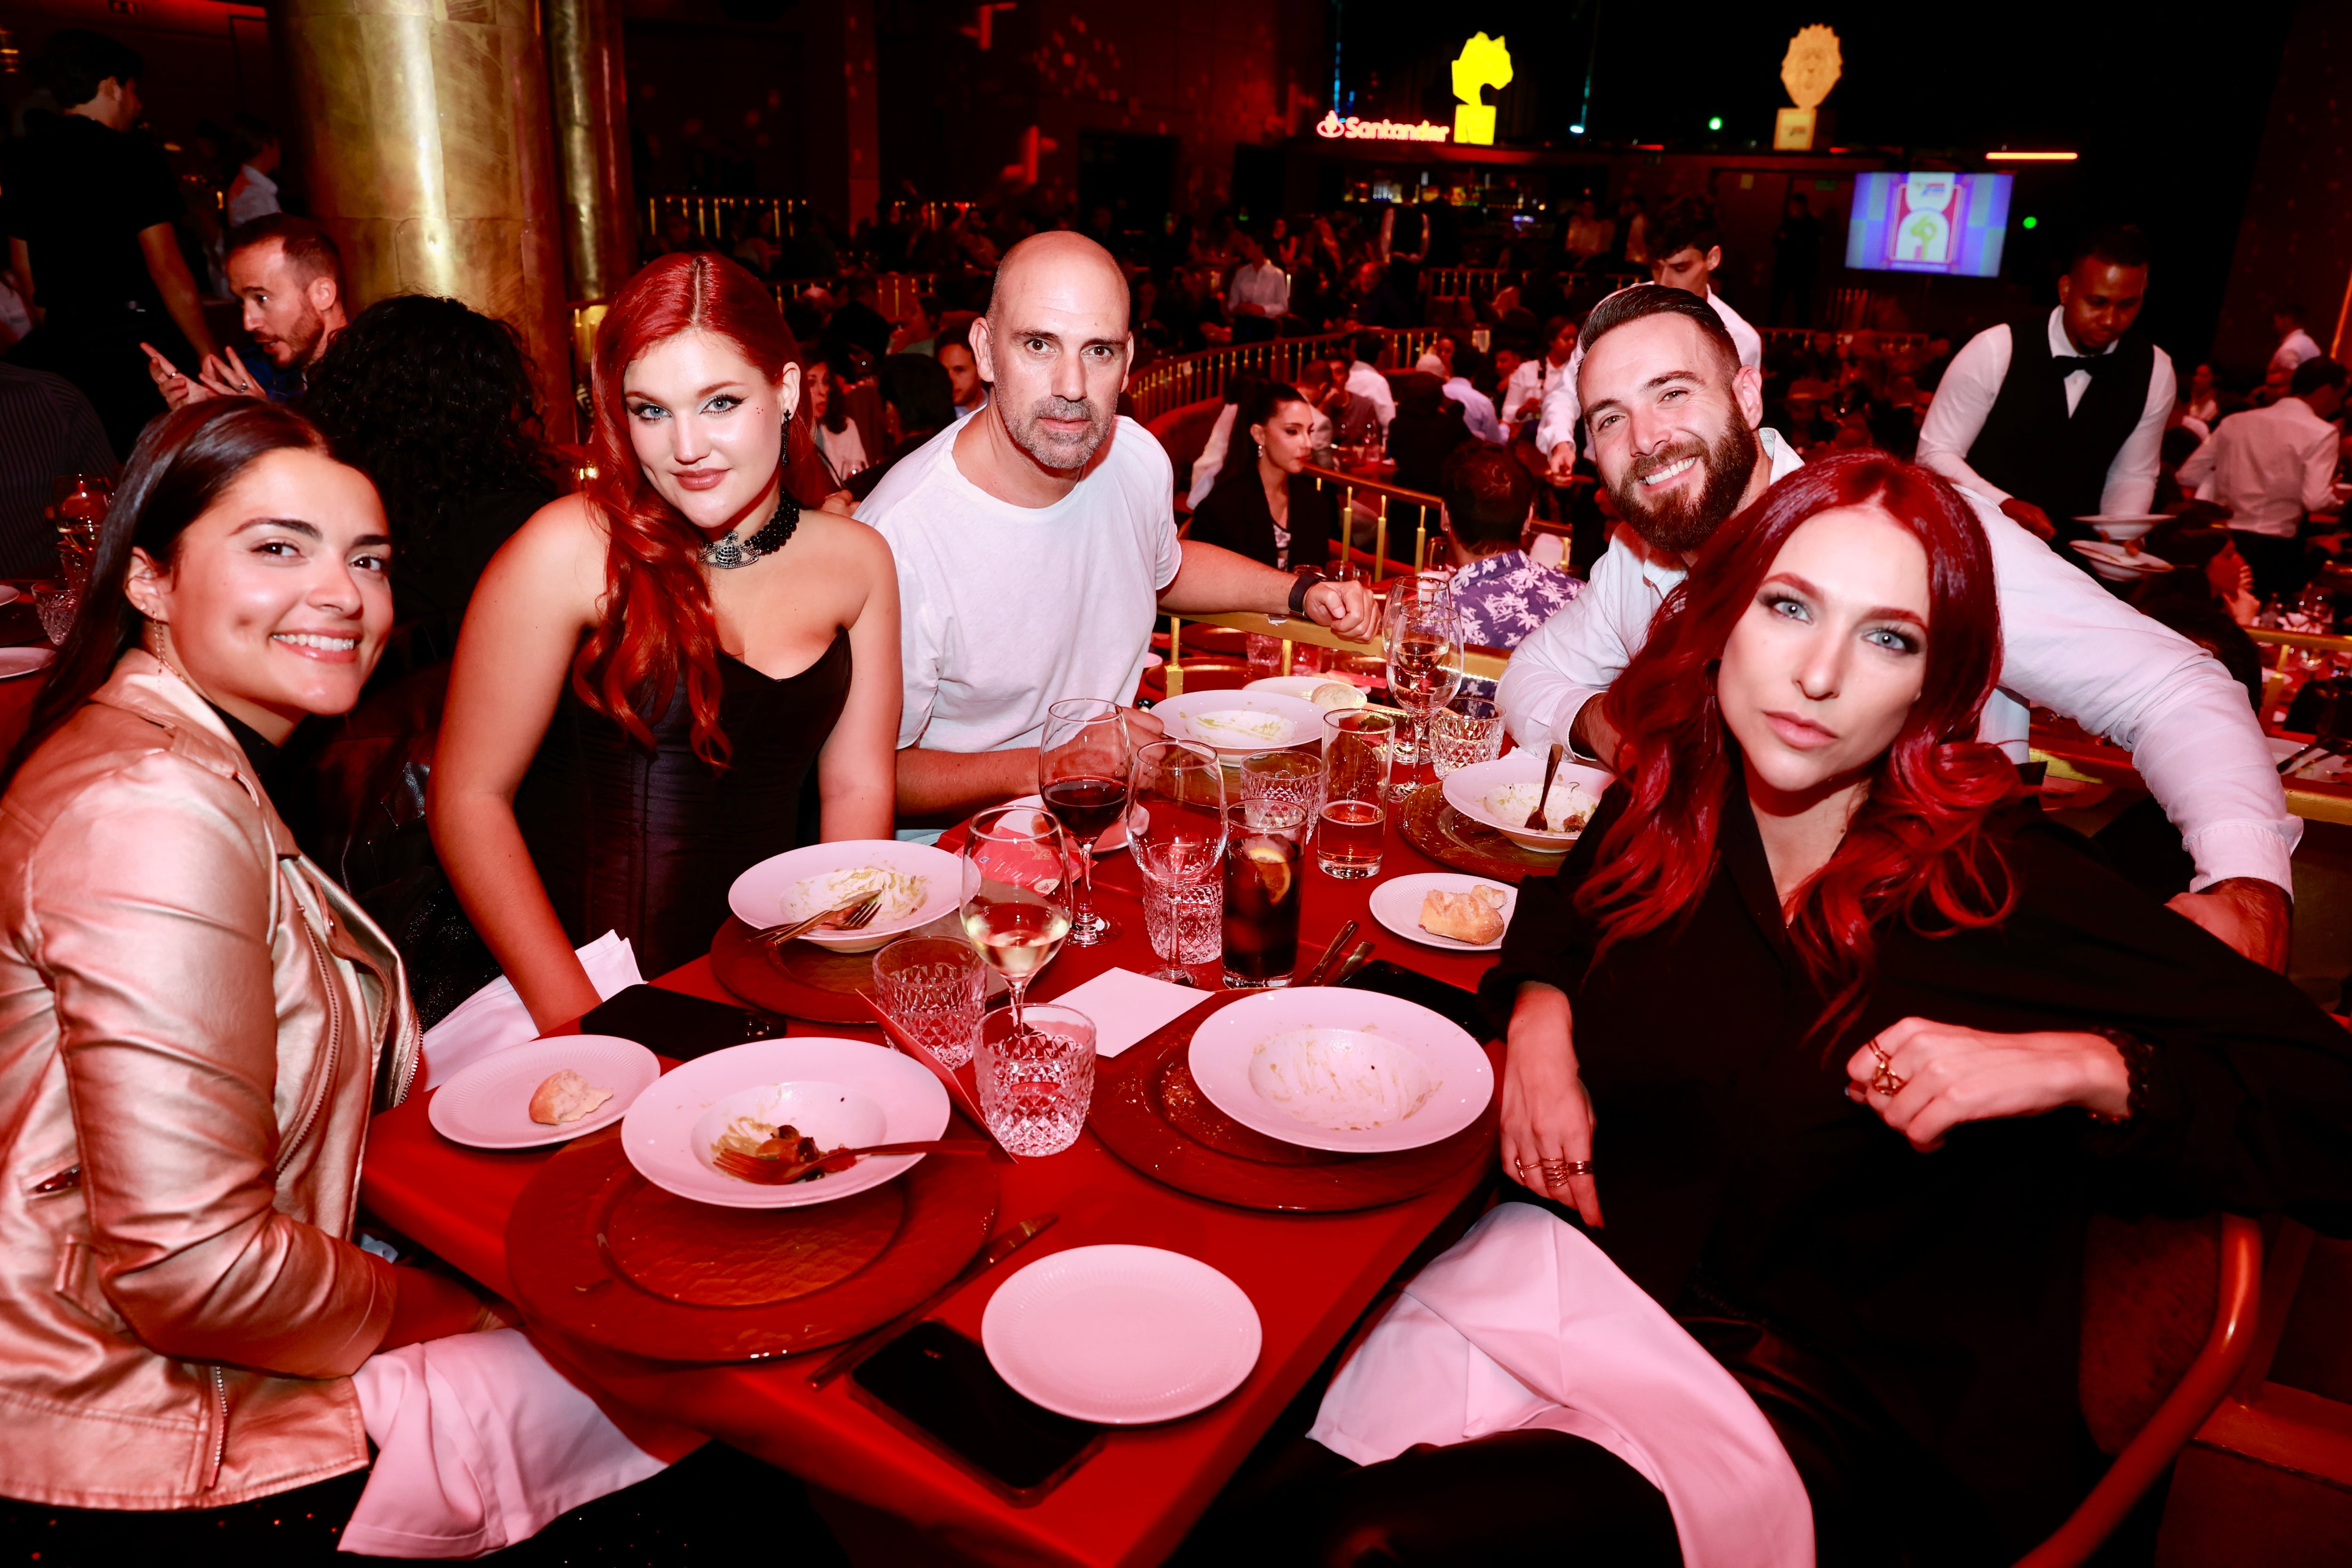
1307,577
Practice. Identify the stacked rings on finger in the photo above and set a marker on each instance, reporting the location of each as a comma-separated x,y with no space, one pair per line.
1885,1080
1555,1172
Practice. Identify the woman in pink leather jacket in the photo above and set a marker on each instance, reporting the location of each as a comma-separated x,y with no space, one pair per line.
194,1021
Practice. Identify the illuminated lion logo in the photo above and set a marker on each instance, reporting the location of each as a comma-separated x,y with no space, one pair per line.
1484,62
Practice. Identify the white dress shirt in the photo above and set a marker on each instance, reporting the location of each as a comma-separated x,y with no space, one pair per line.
1363,381
1526,387
1971,383
2066,644
1477,409
1561,411
2293,349
1264,284
254,194
1212,455
2268,465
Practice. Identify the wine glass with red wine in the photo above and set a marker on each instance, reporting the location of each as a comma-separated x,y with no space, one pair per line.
1082,761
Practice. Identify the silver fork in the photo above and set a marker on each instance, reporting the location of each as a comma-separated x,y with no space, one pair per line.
849,917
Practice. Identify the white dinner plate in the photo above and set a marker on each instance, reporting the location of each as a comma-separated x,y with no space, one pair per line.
1122,1335
17,661
2116,563
1305,687
842,1093
1487,792
1114,838
488,1106
1353,1071
777,888
2118,526
1235,722
1396,904
2320,768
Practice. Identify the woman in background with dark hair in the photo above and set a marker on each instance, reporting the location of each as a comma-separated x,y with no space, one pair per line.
435,403
1855,1050
651,668
1264,505
198,1022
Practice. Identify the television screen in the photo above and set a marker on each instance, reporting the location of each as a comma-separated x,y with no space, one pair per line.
1939,222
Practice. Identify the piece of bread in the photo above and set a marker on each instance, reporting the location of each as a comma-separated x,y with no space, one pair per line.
1475,916
1336,694
565,1096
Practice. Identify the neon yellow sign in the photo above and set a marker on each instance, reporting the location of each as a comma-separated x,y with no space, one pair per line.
1484,62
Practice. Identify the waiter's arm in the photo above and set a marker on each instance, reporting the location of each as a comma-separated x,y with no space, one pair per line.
1555,430
2319,472
1963,401
2131,473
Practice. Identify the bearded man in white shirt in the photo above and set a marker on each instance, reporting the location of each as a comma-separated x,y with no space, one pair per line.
2021,418
1036,542
2271,465
1688,247
1674,417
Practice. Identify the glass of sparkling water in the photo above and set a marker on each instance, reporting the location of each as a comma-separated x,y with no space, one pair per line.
933,987
1465,732
1036,1076
1185,923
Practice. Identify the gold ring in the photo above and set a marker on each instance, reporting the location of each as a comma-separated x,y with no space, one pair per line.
1885,1080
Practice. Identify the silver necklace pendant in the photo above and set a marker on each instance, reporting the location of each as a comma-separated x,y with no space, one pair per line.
726,552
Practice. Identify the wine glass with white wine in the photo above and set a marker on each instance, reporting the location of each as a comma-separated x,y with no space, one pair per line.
1425,656
1018,866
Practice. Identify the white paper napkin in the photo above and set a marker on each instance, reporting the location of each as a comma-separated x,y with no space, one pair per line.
1128,1007
494,1018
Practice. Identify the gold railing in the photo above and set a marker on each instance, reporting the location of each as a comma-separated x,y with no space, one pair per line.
2309,642
1462,282
1477,663
711,217
1166,385
894,293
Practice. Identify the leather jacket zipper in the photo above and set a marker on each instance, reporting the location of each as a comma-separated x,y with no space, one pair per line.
334,1049
220,1428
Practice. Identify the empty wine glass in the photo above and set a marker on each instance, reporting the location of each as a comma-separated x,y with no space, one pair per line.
1176,824
1424,655
1082,764
1017,871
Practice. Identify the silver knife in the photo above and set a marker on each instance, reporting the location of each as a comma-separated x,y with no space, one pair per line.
1002,1248
1323,965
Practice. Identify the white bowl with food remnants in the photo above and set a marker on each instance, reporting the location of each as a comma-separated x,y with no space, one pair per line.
1328,692
2119,562
918,883
1500,793
488,1105
1403,905
1235,722
1328,1068
2118,526
845,1094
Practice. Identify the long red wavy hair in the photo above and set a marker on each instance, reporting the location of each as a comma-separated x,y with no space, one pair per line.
1918,849
657,622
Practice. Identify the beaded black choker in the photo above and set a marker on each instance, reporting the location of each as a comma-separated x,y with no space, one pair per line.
727,553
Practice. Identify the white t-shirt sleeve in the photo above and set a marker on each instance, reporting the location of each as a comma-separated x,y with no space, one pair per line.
922,649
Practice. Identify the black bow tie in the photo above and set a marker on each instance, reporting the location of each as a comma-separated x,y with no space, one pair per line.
2068,364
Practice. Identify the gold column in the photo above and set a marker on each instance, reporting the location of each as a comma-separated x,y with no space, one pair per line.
425,149
592,145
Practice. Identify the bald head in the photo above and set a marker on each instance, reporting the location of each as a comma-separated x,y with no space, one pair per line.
1061,268
1055,345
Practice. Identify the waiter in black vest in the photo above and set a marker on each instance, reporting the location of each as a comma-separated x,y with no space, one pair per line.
2062,417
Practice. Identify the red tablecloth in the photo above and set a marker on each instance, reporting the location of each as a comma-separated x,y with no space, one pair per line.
1309,1277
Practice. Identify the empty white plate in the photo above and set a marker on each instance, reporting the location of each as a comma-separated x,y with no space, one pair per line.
17,661
1122,1335
842,1093
1327,1066
1396,904
1239,722
488,1106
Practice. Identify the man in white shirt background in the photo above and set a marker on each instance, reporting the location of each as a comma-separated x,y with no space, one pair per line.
1673,419
2060,416
2270,467
2295,345
253,194
1477,408
1365,381
1687,246
1036,542
1523,393
1258,295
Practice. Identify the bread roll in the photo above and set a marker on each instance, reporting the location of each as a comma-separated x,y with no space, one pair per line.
565,1096
1475,917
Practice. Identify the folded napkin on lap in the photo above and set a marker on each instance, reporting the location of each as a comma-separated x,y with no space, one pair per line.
1128,1007
1525,1323
494,1018
480,1442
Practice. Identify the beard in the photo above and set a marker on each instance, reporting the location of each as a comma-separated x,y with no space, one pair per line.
1055,449
1682,523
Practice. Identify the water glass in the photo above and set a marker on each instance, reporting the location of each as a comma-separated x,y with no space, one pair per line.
1464,732
934,988
56,604
1283,778
1185,921
1176,826
1036,1076
1359,752
1264,653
